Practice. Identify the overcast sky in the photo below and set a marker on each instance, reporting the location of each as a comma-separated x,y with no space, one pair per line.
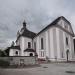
37,14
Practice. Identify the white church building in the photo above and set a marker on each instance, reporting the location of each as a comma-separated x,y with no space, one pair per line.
54,42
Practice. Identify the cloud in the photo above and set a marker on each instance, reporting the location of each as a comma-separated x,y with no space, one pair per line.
37,14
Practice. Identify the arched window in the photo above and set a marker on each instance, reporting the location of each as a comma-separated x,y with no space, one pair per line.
31,54
66,41
16,52
29,44
42,43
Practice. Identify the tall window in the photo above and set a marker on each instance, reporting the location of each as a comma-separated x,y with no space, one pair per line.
74,45
66,41
35,45
42,43
29,44
16,52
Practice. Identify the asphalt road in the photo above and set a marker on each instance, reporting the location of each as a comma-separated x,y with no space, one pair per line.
45,69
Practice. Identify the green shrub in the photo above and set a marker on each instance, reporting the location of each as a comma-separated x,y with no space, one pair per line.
4,63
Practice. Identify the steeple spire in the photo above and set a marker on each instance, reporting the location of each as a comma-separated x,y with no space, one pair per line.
24,24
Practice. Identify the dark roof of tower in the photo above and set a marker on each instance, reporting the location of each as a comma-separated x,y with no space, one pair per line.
29,50
26,33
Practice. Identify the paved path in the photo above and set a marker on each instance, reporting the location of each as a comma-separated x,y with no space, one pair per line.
45,69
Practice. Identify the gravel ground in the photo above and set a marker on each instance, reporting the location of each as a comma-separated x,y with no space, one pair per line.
44,69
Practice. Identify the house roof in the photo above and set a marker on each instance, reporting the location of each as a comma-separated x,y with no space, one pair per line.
29,50
15,47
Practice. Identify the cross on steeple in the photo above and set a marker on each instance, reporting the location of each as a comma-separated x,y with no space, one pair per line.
24,24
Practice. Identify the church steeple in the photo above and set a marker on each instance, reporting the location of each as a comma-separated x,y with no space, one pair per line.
24,24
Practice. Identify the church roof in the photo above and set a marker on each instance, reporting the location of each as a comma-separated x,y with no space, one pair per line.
29,50
55,23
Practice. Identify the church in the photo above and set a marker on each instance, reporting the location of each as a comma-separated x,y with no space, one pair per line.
54,42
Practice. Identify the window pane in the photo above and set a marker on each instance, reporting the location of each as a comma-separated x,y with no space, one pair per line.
16,52
35,45
42,47
74,45
29,45
66,41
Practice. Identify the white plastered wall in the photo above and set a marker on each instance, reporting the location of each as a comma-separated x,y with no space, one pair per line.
24,44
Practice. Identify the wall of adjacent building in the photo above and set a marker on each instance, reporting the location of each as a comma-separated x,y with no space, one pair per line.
12,52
